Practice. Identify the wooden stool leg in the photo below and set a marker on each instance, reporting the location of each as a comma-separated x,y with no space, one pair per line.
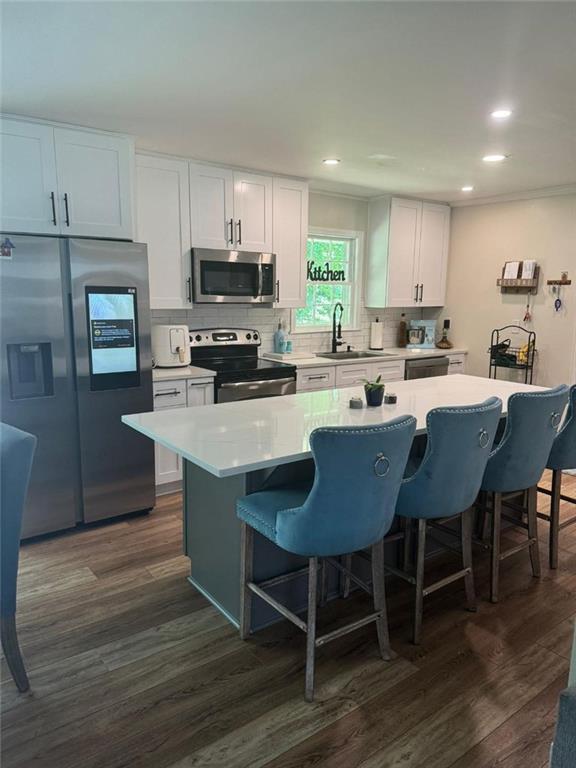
12,652
467,525
534,548
495,551
323,583
419,603
246,575
555,517
379,591
311,627
345,581
484,528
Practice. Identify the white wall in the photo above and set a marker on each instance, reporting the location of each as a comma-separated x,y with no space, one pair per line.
483,237
332,212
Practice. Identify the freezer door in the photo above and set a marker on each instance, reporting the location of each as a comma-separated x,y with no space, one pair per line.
37,386
110,302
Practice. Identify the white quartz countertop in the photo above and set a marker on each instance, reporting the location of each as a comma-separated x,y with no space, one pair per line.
187,372
234,438
390,353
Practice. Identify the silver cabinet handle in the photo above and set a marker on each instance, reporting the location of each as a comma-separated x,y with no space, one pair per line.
66,209
239,231
189,289
168,393
416,292
421,291
231,225
277,290
317,378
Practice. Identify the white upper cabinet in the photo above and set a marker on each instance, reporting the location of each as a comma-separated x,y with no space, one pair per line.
163,223
433,259
66,181
94,181
405,222
253,212
212,207
407,253
290,222
29,189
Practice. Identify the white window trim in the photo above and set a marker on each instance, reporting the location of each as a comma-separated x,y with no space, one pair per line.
348,234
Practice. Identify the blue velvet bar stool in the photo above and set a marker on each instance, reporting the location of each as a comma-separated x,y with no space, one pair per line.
562,456
16,455
516,465
349,507
444,488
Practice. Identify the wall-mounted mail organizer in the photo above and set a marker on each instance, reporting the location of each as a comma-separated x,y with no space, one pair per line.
519,277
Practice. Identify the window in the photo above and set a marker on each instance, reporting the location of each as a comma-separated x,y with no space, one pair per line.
333,260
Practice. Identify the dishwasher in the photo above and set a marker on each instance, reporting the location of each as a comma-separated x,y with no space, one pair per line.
425,367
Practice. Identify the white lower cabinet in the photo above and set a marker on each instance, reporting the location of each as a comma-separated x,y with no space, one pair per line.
177,394
309,379
352,375
456,364
392,370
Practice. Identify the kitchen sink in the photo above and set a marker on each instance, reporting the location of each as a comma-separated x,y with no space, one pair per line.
355,355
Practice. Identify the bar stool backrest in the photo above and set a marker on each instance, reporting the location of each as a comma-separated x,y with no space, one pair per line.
352,502
16,456
519,459
448,480
563,453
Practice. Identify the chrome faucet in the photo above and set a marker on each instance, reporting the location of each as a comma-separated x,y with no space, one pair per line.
337,329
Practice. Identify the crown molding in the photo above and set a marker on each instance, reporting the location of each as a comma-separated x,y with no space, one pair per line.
531,194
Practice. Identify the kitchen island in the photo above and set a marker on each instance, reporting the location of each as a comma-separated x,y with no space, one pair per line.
231,449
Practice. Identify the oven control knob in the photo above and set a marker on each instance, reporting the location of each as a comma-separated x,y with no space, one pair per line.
255,337
198,337
248,336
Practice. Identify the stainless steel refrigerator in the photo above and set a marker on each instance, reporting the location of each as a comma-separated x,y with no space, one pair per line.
75,356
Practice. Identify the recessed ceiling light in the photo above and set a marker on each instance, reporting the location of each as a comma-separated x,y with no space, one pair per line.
501,114
331,161
494,158
467,188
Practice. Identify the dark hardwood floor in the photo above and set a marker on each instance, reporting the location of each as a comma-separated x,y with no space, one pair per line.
130,667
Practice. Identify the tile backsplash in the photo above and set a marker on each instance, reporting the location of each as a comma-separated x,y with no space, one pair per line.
266,319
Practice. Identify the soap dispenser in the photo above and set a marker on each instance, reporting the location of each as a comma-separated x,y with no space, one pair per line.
280,340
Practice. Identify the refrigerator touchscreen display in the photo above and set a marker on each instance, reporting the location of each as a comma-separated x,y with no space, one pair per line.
112,337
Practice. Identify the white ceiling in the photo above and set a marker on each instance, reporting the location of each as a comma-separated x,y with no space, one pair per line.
279,86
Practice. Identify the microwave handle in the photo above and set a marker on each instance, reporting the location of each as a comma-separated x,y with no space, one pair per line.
260,281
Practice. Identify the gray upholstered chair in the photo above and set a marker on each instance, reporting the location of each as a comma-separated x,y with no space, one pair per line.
444,487
16,456
516,465
564,747
562,457
349,507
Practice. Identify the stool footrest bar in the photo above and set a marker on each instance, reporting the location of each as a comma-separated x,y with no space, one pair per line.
515,549
283,578
362,584
447,580
278,606
352,627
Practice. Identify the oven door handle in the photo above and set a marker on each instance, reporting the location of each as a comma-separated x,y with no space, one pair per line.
234,384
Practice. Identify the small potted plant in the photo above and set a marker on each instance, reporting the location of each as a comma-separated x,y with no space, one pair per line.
374,391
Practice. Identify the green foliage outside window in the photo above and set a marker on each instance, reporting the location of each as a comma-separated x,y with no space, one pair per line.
338,254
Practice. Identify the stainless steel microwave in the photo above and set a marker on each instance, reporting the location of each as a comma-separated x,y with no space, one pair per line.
233,277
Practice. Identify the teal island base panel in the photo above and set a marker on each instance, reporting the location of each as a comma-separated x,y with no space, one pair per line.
212,542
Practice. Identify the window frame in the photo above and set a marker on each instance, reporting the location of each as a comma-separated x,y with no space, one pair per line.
357,236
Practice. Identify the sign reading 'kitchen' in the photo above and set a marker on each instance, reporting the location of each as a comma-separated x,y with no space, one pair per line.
325,274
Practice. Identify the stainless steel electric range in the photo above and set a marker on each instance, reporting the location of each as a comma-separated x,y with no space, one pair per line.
240,374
